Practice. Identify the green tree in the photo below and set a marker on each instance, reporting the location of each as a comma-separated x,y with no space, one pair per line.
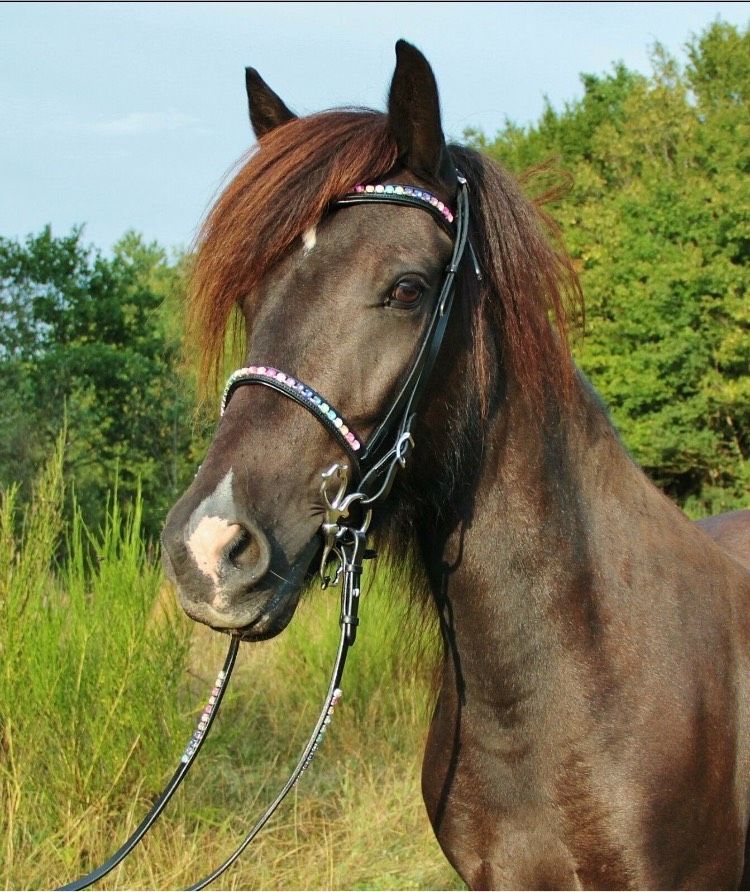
95,339
659,223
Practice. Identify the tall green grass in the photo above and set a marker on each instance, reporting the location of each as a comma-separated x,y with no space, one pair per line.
101,682
90,677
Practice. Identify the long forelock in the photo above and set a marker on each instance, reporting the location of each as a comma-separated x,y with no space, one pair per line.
281,190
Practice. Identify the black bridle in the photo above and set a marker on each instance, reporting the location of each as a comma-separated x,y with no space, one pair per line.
374,463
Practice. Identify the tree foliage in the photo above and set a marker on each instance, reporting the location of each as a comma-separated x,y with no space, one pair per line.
96,340
658,220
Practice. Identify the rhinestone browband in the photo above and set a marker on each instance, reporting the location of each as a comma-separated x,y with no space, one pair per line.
411,191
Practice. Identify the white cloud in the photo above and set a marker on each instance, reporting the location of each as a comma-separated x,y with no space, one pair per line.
139,123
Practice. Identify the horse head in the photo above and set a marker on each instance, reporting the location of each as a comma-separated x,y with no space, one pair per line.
336,300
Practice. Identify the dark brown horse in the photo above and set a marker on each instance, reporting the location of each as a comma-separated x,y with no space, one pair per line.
592,727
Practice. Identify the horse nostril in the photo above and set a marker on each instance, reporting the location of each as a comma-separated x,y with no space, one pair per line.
234,553
245,552
249,552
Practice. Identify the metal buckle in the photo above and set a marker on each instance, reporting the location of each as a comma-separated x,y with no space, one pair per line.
336,508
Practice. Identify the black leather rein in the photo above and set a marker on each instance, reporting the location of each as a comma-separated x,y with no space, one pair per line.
374,463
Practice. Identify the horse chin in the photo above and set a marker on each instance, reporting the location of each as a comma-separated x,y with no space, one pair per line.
265,614
274,618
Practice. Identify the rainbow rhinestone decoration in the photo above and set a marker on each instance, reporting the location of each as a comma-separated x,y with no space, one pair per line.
326,722
205,716
315,399
412,192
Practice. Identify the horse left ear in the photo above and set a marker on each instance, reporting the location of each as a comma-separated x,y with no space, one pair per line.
267,110
414,118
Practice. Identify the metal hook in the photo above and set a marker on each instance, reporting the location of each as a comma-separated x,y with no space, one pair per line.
336,508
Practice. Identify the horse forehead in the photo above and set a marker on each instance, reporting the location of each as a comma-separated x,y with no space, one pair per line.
358,242
352,250
367,238
309,239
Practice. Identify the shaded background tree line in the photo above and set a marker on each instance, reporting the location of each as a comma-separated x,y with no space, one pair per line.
93,343
657,219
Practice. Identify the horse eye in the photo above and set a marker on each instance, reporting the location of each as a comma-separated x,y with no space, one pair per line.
406,293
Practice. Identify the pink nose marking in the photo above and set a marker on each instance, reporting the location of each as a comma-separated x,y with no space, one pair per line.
208,541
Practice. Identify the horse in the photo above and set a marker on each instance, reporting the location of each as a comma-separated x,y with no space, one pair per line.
591,727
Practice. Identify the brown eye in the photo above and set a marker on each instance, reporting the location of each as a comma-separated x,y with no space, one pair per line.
406,293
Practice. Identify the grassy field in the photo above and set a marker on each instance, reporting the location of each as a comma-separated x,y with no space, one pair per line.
101,683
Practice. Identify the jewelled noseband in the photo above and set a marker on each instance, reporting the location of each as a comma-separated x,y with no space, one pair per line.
304,395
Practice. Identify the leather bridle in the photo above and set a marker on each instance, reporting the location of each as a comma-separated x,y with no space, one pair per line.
374,464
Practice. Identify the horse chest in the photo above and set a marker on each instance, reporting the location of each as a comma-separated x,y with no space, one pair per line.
521,807
485,797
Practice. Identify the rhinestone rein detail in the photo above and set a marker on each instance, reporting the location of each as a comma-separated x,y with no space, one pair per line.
315,400
412,192
203,721
319,739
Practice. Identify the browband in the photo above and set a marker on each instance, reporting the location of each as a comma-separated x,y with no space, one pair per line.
410,196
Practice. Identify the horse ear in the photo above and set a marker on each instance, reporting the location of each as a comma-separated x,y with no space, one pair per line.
414,118
267,110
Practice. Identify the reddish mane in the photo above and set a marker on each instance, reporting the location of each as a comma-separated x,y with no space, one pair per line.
529,281
299,168
283,189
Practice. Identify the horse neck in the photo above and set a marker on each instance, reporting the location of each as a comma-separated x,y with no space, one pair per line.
513,567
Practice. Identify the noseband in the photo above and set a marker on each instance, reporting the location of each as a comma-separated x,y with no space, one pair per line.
374,463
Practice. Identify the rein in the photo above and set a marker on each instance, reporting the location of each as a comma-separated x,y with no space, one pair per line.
375,464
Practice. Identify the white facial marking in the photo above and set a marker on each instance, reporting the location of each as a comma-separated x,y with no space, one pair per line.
207,544
208,532
309,240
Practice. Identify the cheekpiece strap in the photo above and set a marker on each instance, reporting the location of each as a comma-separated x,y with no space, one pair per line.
298,391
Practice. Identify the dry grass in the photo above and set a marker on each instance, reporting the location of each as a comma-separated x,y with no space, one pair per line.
356,820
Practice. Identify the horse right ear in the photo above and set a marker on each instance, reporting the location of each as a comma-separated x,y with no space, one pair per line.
414,118
267,110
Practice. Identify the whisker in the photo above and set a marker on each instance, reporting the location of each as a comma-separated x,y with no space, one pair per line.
279,576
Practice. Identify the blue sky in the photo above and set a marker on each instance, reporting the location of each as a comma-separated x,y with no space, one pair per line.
128,115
